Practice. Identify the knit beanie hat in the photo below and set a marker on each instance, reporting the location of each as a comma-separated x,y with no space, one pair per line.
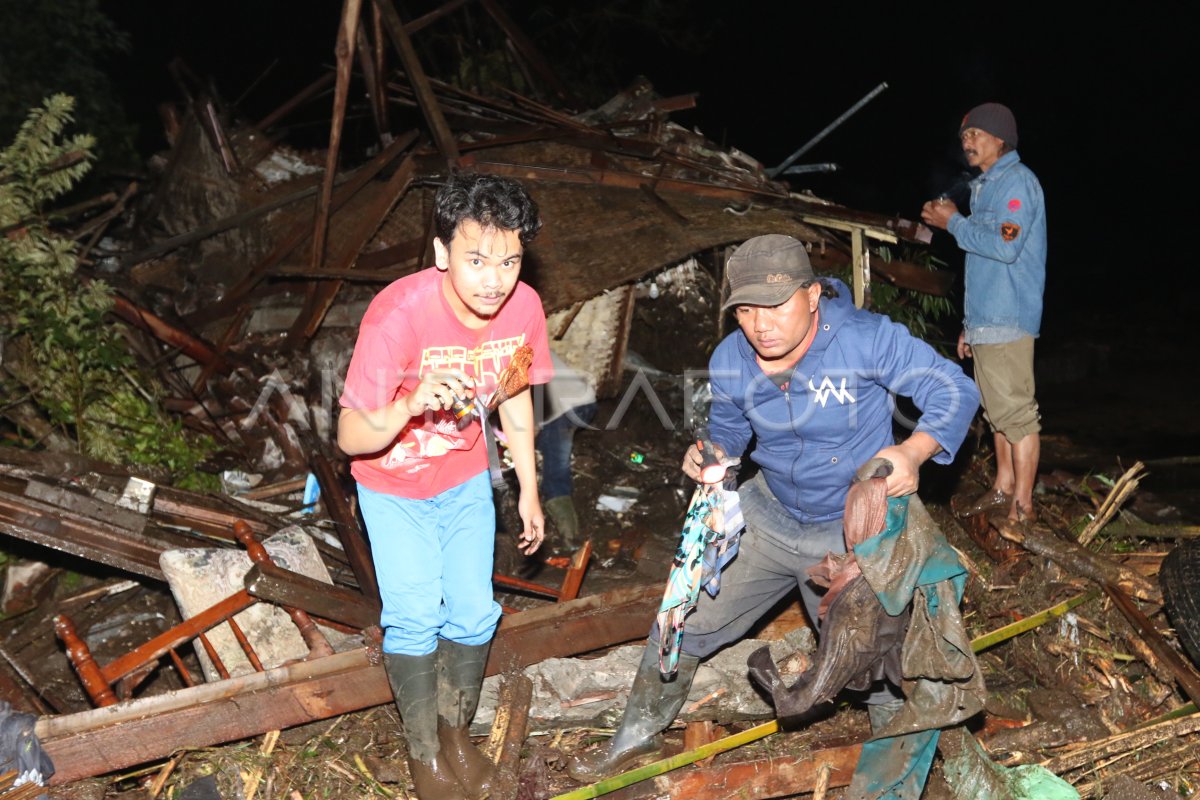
992,118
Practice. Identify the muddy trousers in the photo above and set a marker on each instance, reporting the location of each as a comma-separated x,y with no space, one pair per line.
775,554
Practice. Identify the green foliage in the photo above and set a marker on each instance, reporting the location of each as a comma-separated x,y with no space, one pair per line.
59,352
919,312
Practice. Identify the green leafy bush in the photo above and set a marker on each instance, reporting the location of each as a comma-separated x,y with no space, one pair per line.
59,351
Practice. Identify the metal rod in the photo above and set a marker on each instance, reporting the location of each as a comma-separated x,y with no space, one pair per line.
828,129
802,169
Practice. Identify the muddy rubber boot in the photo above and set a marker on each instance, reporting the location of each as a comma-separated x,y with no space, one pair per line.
414,685
566,520
653,704
460,678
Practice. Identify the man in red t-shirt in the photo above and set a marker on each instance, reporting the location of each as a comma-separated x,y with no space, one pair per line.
428,340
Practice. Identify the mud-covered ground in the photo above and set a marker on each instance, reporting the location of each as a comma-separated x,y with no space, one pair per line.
1104,405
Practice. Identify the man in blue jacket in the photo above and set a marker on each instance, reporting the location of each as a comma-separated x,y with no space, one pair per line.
1004,239
811,381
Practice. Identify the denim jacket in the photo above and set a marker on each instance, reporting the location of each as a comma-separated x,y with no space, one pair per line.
1005,242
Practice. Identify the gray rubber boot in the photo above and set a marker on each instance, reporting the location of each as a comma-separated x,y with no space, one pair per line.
653,704
566,520
414,684
460,678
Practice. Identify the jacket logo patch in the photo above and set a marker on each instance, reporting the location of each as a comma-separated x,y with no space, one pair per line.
1014,205
1010,231
778,277
827,390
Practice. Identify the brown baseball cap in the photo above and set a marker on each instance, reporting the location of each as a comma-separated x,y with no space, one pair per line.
766,271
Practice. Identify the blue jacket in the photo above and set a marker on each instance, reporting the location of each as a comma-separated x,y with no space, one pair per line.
1005,242
836,412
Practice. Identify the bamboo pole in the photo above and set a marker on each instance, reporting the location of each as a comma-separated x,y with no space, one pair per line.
1125,486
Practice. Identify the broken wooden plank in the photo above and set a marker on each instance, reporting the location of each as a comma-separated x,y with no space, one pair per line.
509,730
364,225
136,731
573,627
190,345
1076,559
284,587
146,729
774,776
297,234
354,544
622,180
77,501
217,226
79,535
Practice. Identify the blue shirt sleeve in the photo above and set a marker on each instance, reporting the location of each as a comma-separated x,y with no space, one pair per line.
727,423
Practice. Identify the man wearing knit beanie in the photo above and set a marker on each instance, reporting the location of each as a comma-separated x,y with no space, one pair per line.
1004,242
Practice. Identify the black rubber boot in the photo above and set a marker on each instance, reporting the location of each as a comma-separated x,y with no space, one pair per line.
460,678
414,684
653,704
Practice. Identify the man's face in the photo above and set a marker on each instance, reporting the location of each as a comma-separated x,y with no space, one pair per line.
481,267
776,332
981,148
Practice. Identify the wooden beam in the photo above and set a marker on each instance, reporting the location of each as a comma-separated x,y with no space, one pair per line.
146,729
362,228
778,776
282,586
344,50
298,233
432,112
509,730
79,535
1184,673
354,544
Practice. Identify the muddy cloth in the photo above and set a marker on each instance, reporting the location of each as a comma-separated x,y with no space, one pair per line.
866,515
20,750
711,531
911,571
971,775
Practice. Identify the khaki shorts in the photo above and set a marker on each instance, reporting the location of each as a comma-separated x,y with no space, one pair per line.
1004,373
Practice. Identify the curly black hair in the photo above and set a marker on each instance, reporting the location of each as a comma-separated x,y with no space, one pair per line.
489,200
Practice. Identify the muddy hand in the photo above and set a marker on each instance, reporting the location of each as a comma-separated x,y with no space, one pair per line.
534,523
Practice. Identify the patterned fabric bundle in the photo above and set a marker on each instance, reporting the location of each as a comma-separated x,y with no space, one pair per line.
711,532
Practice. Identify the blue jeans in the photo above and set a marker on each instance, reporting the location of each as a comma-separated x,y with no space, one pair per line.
555,441
433,560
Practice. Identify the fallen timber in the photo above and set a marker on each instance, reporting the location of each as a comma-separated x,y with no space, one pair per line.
147,729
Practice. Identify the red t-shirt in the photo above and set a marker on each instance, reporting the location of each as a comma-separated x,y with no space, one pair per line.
410,329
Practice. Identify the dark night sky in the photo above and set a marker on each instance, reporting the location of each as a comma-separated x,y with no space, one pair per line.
1099,103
